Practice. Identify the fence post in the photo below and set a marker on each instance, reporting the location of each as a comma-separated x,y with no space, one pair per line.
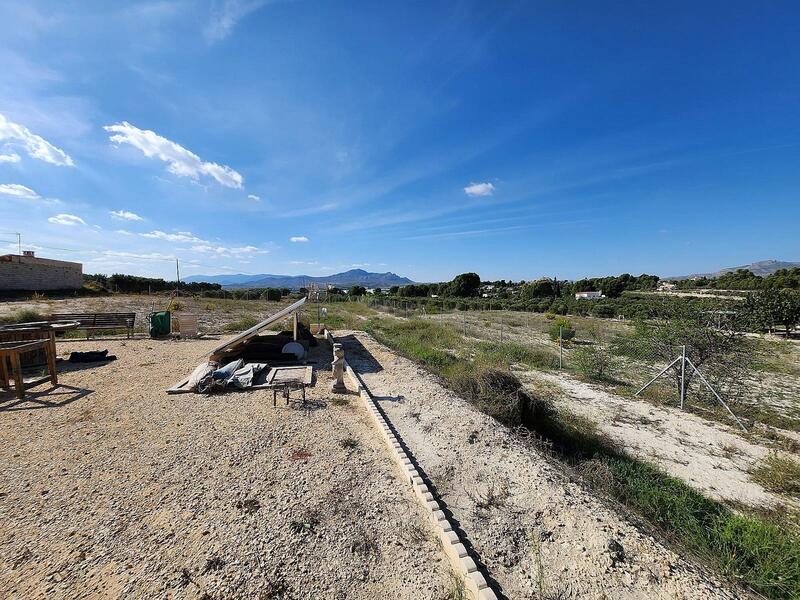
464,316
683,374
560,346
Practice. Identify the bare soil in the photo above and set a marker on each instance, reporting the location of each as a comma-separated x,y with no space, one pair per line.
711,457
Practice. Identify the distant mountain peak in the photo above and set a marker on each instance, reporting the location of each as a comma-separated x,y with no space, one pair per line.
345,279
760,267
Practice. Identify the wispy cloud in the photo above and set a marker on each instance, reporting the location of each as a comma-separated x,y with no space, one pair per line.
139,256
17,190
123,232
298,239
10,158
254,198
36,146
181,236
65,219
180,161
228,252
125,215
226,14
479,189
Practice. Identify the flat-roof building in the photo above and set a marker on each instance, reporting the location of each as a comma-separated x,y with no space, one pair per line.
31,273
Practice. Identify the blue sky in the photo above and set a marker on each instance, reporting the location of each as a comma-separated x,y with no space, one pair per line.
512,139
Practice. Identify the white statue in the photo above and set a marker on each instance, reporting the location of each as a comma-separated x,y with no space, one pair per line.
337,366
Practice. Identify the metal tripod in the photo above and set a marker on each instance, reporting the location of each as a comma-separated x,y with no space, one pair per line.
685,360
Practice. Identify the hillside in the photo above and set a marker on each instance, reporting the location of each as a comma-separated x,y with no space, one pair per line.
761,268
345,279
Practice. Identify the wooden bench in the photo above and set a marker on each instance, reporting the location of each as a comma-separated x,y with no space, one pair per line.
98,321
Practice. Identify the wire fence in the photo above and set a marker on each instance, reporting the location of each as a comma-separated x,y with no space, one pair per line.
706,366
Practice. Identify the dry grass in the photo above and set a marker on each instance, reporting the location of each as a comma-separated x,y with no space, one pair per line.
779,474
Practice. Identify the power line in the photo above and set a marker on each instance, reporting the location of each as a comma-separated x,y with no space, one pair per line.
187,262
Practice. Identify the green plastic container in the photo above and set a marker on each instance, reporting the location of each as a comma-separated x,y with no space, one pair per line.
159,324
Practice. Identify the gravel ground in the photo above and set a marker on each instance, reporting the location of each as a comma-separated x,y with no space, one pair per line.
113,489
538,533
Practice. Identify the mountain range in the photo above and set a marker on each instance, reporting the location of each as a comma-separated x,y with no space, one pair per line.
761,267
346,279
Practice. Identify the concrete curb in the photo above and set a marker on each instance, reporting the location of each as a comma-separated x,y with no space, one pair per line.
455,548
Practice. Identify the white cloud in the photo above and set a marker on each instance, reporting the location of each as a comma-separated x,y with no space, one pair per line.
254,198
123,232
36,146
226,15
125,215
479,189
180,161
298,238
10,158
64,219
181,236
226,251
150,256
18,191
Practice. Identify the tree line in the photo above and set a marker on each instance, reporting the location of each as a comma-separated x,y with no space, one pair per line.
744,279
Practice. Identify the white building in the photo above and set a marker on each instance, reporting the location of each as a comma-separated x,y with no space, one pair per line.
588,295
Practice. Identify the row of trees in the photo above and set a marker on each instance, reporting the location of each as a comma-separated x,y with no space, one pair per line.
133,284
466,285
469,285
773,307
744,279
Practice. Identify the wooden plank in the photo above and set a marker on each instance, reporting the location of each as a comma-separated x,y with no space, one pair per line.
180,387
253,331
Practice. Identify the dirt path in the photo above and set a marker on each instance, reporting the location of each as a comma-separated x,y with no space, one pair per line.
112,489
537,532
706,455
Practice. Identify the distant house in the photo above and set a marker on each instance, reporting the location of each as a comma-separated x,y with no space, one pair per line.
666,286
31,273
588,295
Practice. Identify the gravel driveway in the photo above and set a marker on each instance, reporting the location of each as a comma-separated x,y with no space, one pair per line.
112,489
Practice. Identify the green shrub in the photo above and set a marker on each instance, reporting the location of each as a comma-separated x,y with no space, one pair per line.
593,362
562,328
175,306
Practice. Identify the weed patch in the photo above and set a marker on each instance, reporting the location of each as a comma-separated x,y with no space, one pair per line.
242,323
779,474
23,315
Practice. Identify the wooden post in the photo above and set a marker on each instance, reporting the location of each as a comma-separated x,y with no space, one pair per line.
3,373
50,351
16,367
295,321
